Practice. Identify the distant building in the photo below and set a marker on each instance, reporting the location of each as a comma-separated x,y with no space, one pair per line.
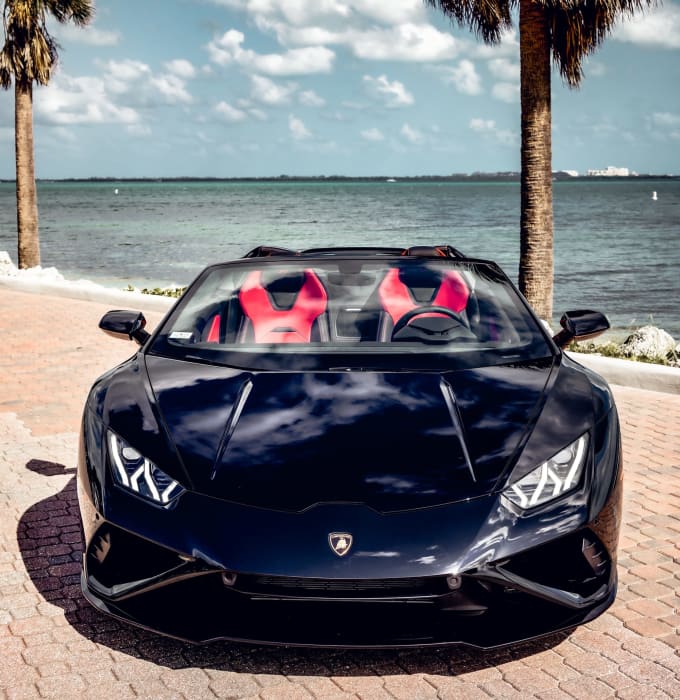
610,171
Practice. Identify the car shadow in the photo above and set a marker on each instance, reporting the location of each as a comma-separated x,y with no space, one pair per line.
50,541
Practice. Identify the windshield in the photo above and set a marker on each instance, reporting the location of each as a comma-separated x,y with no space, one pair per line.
377,313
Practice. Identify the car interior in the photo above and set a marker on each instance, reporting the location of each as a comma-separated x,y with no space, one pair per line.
348,302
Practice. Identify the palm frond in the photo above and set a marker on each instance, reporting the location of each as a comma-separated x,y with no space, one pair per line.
43,57
30,53
81,12
485,18
578,27
5,69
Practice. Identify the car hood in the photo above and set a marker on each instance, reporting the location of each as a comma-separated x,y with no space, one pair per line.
389,440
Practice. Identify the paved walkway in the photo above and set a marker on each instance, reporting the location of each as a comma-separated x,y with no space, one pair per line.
53,644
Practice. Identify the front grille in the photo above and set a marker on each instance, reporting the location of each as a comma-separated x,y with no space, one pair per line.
298,587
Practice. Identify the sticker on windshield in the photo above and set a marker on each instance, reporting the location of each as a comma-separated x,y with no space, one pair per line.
181,335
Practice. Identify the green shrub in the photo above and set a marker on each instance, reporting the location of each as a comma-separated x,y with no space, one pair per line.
174,292
614,350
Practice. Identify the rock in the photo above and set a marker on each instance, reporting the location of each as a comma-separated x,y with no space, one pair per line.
674,357
650,342
7,267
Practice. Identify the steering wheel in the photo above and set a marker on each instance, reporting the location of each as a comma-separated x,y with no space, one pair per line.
422,310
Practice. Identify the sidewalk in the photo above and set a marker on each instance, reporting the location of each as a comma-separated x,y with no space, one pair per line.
53,644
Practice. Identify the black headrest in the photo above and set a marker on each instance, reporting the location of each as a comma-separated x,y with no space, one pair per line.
283,282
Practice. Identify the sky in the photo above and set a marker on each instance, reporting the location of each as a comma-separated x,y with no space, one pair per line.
258,88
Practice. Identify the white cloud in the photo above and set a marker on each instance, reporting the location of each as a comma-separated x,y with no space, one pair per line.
609,129
229,113
172,88
487,127
125,72
304,61
181,68
228,49
297,128
247,106
203,137
504,69
89,35
392,12
136,79
507,73
62,134
411,134
372,134
303,12
666,119
506,92
406,42
403,42
394,30
665,124
393,93
659,27
310,99
271,93
464,76
482,125
115,96
595,69
222,50
258,114
508,46
81,100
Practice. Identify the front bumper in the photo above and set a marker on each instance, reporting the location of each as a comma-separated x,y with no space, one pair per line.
555,586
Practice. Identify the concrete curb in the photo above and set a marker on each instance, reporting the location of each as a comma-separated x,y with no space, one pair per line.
638,375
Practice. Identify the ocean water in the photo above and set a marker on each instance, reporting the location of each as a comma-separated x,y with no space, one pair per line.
617,249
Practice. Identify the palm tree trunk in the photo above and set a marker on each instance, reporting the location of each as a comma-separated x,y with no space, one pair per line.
536,223
27,199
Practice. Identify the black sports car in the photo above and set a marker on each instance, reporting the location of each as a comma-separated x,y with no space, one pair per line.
351,447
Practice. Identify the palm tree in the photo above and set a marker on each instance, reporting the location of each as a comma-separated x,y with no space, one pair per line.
569,30
28,56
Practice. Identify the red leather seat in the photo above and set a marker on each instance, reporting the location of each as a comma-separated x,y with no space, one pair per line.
213,335
398,298
274,323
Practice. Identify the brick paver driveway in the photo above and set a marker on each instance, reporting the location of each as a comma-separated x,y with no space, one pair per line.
53,644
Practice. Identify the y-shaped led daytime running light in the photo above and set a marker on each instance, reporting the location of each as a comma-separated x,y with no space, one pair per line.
550,480
139,475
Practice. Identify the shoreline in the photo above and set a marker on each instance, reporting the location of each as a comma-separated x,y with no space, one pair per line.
498,176
50,280
161,233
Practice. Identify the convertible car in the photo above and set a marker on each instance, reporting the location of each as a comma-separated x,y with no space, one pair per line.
351,447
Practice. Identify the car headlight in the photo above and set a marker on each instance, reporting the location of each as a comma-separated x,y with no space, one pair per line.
555,477
136,473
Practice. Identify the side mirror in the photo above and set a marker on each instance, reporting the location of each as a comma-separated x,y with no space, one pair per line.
128,325
580,325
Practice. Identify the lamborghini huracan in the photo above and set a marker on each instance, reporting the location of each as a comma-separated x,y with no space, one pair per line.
351,447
